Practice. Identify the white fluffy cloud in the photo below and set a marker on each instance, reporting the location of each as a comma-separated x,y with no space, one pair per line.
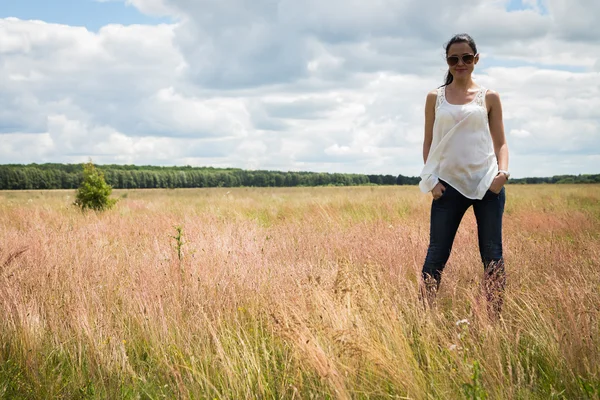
297,85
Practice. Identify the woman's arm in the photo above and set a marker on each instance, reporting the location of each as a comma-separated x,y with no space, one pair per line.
429,119
492,99
438,189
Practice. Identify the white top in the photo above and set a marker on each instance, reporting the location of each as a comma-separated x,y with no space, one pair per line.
462,151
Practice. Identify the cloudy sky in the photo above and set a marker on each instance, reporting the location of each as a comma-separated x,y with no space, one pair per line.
312,85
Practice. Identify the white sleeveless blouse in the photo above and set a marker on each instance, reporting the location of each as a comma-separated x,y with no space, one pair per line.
462,151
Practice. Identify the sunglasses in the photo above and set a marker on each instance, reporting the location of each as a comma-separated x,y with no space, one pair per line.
466,59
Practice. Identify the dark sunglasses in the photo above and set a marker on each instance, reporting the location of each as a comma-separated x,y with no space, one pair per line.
466,59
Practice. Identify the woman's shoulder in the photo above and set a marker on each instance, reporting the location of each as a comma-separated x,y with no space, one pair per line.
433,94
488,91
431,101
492,95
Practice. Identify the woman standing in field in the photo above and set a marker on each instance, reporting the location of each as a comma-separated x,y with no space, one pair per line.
466,164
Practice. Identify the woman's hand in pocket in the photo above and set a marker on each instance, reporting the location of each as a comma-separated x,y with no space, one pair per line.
438,191
498,183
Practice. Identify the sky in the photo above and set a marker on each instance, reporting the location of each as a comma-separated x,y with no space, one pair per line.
289,85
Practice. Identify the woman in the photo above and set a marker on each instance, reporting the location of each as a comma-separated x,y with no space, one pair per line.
466,164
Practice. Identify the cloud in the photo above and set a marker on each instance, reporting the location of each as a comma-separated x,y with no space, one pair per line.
169,113
575,20
296,85
520,133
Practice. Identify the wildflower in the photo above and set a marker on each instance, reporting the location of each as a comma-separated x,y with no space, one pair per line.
462,322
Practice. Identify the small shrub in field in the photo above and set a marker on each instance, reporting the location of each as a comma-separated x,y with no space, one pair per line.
179,242
94,192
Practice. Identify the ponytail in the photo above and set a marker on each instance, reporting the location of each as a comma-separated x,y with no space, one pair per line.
449,79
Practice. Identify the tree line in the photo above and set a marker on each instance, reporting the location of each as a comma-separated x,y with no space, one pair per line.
585,178
70,176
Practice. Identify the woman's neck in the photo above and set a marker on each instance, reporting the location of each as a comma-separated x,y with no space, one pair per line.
463,84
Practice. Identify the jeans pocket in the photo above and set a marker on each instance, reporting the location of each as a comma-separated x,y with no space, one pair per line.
444,193
494,193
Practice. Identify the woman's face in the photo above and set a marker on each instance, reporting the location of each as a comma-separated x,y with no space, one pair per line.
461,68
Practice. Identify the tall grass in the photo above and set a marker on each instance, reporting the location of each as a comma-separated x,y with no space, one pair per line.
293,293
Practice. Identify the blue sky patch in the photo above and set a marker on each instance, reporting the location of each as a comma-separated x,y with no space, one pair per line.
91,14
520,5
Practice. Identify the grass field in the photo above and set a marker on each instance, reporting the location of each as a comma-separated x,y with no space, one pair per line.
304,293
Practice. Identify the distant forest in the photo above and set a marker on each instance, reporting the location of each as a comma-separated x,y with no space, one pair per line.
69,176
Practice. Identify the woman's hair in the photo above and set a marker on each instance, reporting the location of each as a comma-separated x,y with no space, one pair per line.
460,38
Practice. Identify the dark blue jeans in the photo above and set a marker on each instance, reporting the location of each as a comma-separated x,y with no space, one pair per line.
446,214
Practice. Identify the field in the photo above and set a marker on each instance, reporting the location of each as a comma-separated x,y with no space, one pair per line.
303,293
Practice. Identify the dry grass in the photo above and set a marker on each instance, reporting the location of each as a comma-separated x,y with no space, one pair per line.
293,293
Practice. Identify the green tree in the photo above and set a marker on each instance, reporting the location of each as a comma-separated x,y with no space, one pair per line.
94,192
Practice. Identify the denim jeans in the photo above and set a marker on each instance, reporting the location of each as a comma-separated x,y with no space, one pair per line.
446,214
